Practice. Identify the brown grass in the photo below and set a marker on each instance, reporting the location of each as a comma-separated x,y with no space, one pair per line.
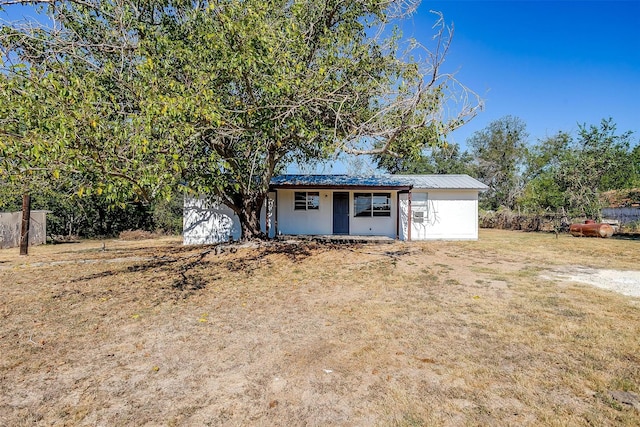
137,235
436,333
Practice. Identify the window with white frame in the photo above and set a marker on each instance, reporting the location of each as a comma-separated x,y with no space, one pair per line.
371,204
307,200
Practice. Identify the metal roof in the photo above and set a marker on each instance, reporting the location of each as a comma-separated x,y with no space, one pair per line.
400,182
444,182
338,181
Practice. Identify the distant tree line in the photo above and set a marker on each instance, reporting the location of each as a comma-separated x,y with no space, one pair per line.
562,172
93,215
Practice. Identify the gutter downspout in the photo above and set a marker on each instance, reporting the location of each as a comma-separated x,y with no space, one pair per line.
275,213
266,215
409,216
398,215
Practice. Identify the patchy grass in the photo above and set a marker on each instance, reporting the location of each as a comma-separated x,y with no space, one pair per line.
436,333
138,235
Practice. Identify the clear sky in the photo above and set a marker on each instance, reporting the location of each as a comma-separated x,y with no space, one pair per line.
553,64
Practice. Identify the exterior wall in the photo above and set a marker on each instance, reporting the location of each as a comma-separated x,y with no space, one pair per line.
208,223
11,222
320,221
447,215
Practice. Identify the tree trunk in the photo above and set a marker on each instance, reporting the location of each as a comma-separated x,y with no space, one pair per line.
26,220
249,214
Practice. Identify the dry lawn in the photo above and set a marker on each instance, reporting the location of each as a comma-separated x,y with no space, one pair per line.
436,333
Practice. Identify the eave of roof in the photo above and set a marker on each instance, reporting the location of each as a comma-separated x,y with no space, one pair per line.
336,182
340,187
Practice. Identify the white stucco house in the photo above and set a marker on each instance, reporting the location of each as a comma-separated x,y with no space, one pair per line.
405,207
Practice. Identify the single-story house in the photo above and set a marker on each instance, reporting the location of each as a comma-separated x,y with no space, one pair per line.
404,207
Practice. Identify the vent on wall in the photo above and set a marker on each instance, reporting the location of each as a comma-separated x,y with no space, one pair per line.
418,217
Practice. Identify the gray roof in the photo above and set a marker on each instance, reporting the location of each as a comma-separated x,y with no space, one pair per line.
444,182
429,182
337,181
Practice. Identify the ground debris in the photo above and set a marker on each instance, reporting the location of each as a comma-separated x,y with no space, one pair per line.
626,398
398,253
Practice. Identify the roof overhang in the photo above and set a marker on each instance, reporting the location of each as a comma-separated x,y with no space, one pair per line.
401,183
339,187
339,182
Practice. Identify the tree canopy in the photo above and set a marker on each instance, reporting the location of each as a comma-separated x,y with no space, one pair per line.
499,151
439,159
133,99
571,173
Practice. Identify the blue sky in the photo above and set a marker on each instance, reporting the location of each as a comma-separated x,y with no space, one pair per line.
553,64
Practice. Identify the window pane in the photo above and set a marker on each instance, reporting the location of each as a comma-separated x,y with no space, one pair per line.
420,205
419,201
313,200
362,204
381,204
300,200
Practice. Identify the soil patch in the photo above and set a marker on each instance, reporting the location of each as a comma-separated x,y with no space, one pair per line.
624,282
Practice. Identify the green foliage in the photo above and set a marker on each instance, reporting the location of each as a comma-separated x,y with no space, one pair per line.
133,100
543,189
167,215
93,216
499,151
634,159
445,159
572,173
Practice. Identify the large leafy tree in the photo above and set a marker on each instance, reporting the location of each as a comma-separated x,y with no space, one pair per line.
132,99
571,173
499,151
543,189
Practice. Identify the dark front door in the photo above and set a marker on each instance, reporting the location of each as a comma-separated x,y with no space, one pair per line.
340,213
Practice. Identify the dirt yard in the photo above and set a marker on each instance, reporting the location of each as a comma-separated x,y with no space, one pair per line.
496,332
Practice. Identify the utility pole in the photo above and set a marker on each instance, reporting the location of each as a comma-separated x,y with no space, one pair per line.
24,231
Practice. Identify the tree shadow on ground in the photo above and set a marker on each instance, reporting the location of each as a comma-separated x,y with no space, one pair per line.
189,268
